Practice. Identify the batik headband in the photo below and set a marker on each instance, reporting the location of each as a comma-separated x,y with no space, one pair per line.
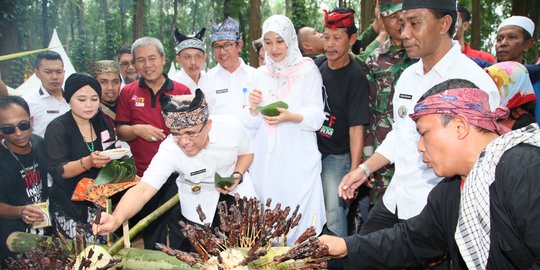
338,20
184,111
471,103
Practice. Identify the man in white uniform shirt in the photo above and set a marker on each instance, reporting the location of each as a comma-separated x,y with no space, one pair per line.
47,103
227,85
197,148
428,27
191,56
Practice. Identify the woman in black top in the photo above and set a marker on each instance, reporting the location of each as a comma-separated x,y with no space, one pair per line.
73,142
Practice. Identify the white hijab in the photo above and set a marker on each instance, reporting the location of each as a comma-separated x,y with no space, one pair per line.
283,27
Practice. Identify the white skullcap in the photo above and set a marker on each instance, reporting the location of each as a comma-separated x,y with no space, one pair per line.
520,21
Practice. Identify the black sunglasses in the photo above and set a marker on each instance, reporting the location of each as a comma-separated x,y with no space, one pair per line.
23,125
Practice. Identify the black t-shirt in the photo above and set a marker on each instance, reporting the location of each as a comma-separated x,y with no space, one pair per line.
345,95
21,186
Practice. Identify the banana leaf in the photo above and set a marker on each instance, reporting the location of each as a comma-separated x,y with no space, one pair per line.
223,182
117,171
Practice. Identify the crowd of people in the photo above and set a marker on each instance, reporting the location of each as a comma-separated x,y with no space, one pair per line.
435,144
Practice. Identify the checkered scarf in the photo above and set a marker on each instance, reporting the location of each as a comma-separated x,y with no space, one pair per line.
473,228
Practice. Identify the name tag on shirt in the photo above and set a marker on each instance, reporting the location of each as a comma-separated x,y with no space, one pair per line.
405,96
222,91
53,111
197,172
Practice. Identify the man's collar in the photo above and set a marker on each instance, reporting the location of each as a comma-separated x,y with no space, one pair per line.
444,63
43,92
167,85
242,66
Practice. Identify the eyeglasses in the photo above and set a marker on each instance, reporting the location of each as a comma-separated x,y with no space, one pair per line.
227,47
10,129
126,63
190,135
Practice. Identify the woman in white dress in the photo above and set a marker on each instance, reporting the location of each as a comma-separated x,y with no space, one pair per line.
287,164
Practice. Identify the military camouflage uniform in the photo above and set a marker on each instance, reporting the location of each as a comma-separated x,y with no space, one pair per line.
383,68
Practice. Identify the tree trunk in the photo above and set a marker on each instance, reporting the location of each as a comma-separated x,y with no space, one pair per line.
475,25
108,51
44,23
175,14
161,16
340,4
9,44
519,7
367,15
79,12
288,10
255,30
138,22
122,8
72,20
225,9
195,15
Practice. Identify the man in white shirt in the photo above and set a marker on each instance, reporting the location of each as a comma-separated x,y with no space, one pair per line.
428,26
197,148
191,56
226,86
47,103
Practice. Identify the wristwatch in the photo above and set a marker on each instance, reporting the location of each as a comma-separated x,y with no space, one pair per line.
241,176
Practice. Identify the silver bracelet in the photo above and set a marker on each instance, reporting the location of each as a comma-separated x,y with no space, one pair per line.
365,169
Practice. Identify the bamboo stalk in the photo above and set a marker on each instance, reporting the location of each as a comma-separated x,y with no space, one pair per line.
143,223
20,54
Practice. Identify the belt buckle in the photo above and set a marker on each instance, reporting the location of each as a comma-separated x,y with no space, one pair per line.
196,187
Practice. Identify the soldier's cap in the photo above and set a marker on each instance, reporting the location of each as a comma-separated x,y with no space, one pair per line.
229,29
103,66
430,4
389,7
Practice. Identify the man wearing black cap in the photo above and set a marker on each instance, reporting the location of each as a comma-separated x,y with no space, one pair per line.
427,30
191,56
197,148
484,214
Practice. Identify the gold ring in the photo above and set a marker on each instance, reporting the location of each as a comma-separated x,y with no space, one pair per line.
345,187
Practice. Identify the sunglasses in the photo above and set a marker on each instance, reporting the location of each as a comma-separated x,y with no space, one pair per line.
10,129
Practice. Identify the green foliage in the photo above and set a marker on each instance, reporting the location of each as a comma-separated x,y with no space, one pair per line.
105,33
79,53
299,13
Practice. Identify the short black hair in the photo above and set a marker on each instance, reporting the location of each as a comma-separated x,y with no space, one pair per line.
439,13
526,34
123,50
7,101
464,13
350,30
47,55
